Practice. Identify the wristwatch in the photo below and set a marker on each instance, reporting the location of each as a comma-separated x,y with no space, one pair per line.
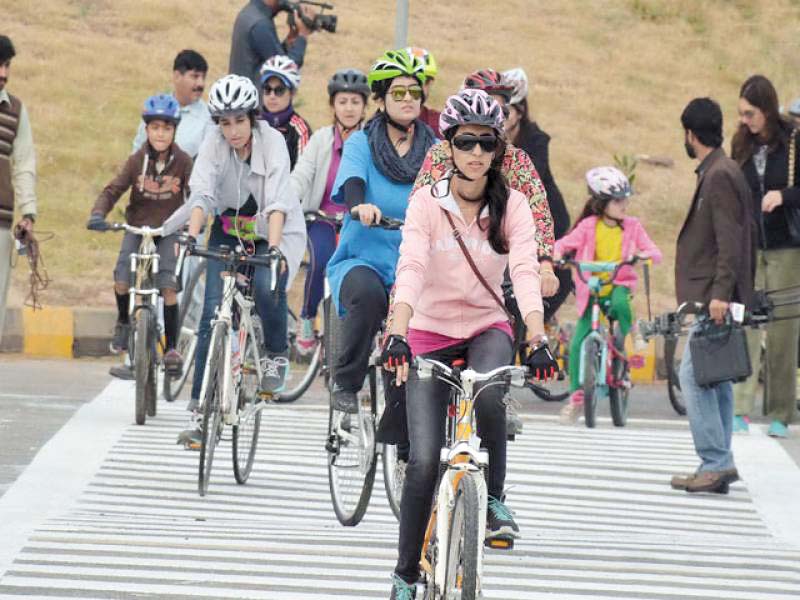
538,341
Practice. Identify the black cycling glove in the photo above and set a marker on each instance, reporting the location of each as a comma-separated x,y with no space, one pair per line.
541,362
97,222
396,352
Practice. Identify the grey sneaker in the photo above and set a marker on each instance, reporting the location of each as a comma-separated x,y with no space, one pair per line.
119,341
124,372
344,401
500,521
191,437
275,368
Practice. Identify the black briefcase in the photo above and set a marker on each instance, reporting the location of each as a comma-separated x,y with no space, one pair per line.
719,353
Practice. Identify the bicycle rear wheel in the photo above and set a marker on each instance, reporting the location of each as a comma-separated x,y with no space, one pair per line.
591,369
304,368
142,363
191,308
394,477
673,381
461,576
248,425
212,406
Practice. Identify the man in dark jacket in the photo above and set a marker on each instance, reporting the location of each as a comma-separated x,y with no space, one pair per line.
255,39
714,266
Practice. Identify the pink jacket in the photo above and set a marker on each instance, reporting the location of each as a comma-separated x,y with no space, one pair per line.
582,240
435,279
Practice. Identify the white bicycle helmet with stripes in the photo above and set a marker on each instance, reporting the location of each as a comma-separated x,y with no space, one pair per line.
282,67
232,94
608,183
518,80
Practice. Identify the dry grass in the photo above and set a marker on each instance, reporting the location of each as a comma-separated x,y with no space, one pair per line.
609,77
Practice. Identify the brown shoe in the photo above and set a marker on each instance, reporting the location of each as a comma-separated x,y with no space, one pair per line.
730,475
708,481
681,482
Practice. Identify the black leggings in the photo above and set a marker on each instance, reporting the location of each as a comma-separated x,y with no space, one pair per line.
366,303
426,408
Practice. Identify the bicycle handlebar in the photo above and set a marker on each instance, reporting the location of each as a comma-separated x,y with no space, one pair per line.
318,216
426,368
384,223
231,256
582,267
145,230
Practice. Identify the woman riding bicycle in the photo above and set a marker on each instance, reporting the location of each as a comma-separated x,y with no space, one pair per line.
603,233
446,310
312,180
378,167
241,178
280,78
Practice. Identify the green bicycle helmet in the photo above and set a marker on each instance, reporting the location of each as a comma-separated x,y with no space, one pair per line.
395,63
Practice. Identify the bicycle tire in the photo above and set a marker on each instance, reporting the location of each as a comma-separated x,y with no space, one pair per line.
394,476
618,396
461,573
673,380
212,407
245,432
141,363
187,336
591,362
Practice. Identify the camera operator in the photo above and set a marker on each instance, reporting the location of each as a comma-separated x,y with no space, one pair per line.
255,38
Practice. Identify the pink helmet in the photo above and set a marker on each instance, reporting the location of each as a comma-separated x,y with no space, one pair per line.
471,107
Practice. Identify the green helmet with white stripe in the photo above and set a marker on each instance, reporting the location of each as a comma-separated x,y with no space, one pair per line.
396,63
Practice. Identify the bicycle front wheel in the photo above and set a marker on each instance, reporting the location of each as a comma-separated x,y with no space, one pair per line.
142,363
591,370
461,576
212,406
248,423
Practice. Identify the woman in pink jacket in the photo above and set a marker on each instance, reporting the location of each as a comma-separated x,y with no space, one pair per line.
603,233
443,311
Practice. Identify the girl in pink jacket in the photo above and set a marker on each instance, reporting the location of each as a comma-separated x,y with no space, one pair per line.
443,310
603,233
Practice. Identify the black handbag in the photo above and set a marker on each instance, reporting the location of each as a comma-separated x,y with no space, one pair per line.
719,353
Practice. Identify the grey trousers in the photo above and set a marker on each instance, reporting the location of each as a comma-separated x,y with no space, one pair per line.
6,256
776,269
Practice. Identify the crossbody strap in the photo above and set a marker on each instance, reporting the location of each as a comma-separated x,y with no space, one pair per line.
474,268
792,150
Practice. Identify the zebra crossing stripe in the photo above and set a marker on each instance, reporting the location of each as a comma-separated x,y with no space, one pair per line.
597,515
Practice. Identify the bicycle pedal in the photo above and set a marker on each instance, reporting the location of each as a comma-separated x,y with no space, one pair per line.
500,543
265,396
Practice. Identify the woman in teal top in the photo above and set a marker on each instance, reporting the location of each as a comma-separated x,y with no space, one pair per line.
378,168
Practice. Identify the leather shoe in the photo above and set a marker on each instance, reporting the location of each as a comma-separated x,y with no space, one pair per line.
708,481
681,482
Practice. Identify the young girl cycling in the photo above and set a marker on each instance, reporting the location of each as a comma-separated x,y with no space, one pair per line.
378,168
157,175
312,179
241,178
443,311
280,78
603,233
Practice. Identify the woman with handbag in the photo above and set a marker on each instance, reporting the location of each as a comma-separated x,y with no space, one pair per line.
765,146
459,236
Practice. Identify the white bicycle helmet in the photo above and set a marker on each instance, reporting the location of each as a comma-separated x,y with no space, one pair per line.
608,183
232,94
282,67
471,107
519,82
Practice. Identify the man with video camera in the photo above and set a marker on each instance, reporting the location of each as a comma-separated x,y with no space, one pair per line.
255,38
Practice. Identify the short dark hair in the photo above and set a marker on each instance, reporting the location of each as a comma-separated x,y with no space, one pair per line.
190,60
703,117
7,51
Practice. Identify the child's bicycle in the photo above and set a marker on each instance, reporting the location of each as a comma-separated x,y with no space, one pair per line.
604,365
452,552
145,333
230,393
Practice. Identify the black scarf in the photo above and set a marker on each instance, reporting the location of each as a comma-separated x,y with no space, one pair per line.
399,169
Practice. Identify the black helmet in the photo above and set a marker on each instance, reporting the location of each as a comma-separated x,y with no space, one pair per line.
348,80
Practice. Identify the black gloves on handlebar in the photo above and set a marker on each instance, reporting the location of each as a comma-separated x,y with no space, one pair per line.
541,362
97,222
396,352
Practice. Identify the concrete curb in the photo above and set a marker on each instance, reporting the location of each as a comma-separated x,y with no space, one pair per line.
64,332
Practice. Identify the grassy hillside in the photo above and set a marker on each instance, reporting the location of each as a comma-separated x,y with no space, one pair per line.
609,77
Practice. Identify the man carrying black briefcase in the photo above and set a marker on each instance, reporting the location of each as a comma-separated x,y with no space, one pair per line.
713,266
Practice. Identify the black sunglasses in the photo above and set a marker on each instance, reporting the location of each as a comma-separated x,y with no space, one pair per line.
278,91
468,141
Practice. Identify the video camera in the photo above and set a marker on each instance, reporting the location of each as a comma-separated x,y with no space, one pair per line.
319,21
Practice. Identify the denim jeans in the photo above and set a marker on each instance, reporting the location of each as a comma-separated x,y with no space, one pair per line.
321,245
710,411
426,413
271,306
